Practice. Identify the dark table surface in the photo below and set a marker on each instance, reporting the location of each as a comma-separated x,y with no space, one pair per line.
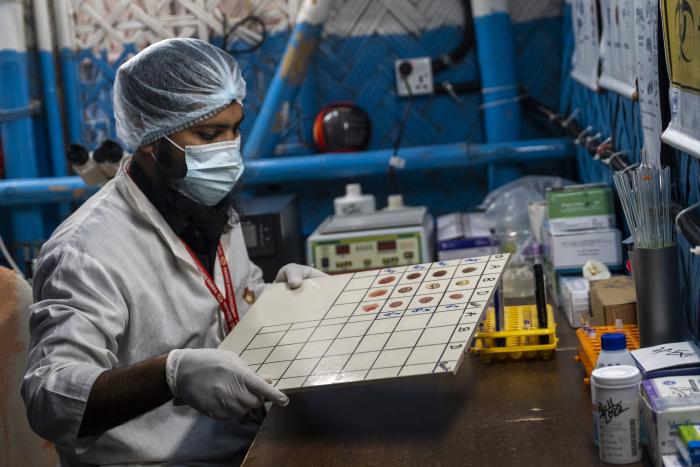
489,414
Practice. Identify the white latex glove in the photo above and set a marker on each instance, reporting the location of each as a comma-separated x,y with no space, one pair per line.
293,274
217,382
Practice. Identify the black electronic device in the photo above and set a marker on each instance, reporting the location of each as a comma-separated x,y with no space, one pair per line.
271,232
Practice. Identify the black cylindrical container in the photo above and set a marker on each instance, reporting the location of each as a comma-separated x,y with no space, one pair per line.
659,313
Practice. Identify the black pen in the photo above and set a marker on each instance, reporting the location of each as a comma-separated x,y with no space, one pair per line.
541,301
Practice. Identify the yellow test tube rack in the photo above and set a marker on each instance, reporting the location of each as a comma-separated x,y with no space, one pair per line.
520,342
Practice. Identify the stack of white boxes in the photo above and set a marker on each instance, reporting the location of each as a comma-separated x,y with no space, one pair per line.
464,235
580,226
574,300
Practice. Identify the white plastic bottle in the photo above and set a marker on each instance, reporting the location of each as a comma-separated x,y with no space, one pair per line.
616,414
394,202
614,351
354,202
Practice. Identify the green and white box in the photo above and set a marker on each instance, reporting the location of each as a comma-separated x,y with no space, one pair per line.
580,207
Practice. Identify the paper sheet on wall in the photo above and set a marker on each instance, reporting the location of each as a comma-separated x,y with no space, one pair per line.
680,21
647,54
617,47
584,15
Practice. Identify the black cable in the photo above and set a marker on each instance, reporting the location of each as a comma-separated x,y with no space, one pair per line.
393,177
228,33
446,60
466,87
573,130
402,125
688,224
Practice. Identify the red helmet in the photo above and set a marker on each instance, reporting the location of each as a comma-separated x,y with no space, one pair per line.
342,127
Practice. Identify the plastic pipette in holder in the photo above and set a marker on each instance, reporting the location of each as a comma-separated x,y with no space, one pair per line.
645,195
541,301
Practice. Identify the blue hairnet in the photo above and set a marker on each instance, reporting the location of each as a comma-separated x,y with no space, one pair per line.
171,85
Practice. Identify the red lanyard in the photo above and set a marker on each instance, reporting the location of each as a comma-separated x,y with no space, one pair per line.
228,303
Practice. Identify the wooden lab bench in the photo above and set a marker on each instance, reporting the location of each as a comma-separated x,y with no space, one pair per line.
496,414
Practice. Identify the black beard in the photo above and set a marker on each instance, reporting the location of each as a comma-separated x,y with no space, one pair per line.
212,221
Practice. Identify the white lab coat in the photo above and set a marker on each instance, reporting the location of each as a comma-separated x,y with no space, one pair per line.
115,286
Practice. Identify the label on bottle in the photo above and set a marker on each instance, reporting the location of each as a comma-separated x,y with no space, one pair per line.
614,358
618,428
603,365
595,423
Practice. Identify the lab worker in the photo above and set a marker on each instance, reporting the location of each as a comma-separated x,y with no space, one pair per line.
134,291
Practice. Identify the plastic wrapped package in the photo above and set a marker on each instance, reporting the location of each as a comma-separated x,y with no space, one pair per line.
506,208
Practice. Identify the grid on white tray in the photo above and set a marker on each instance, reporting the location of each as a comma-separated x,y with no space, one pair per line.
386,323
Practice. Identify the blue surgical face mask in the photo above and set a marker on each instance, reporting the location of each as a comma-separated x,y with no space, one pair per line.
212,170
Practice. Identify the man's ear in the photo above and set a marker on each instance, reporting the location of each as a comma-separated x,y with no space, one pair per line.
147,149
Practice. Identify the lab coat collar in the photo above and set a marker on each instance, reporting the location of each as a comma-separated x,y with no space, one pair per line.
166,208
137,200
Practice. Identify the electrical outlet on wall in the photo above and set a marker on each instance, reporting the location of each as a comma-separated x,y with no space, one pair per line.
414,76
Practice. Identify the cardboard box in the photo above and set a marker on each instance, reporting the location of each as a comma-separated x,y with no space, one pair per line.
571,250
613,298
667,403
574,300
464,235
580,207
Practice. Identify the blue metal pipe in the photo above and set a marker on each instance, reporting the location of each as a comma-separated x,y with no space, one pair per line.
53,114
66,40
54,123
44,190
496,55
17,135
51,107
71,94
287,80
335,166
307,101
320,167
